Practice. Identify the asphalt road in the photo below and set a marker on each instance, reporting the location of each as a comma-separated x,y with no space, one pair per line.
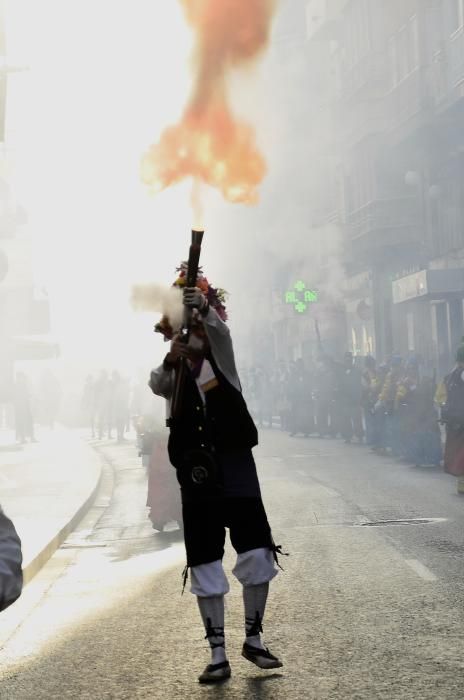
370,605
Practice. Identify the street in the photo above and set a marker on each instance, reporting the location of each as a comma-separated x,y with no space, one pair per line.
370,603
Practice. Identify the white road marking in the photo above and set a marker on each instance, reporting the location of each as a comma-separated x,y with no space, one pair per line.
311,455
264,479
421,570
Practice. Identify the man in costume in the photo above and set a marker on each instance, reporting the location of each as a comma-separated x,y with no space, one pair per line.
210,446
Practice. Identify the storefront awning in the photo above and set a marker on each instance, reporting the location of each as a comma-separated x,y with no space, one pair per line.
429,284
35,348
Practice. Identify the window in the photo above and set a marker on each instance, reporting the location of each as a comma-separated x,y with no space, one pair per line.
358,32
413,43
402,43
404,51
393,60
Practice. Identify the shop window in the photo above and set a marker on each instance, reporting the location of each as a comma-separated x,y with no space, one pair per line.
404,51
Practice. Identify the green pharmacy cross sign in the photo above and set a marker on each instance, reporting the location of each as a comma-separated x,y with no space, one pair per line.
301,297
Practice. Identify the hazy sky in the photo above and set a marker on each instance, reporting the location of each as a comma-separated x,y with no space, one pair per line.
102,80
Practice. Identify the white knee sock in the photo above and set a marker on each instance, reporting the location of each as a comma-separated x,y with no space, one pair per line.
212,614
254,598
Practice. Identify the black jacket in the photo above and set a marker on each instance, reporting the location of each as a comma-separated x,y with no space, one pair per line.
223,423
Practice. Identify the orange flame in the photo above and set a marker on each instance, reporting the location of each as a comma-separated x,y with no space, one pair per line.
210,144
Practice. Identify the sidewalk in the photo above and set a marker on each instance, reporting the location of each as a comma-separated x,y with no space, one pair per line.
45,488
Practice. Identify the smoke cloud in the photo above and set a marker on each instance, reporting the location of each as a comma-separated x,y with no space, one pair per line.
210,143
159,298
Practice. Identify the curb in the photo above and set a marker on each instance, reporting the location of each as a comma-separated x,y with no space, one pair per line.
36,564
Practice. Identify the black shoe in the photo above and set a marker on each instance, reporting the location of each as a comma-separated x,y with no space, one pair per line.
215,673
260,657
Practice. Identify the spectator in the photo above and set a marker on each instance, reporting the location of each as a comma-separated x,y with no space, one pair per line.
119,409
163,498
452,415
103,405
301,400
379,436
11,575
24,422
348,394
425,441
388,404
323,396
407,410
50,398
370,395
88,403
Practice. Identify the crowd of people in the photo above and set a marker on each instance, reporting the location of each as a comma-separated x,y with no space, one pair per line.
393,408
106,405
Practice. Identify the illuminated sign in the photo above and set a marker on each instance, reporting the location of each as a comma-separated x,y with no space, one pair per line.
300,297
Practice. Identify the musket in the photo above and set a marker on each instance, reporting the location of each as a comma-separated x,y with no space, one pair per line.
191,281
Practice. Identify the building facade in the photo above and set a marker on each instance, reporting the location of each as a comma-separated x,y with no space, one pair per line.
395,106
24,310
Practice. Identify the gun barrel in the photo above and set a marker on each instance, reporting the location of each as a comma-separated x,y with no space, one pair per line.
192,274
194,258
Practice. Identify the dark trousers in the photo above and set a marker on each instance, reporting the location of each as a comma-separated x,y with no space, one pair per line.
205,524
351,424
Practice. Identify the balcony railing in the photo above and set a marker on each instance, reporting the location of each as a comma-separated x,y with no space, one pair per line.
439,75
368,75
410,97
385,223
456,58
363,120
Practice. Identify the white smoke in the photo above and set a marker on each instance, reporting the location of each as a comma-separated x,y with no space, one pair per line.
159,298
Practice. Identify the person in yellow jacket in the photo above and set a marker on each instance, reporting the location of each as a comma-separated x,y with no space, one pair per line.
387,404
440,394
370,393
406,408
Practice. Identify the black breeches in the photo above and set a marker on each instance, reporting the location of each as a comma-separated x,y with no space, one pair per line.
205,523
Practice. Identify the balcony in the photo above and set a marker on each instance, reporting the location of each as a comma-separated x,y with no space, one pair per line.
456,59
439,75
385,224
367,77
411,101
323,18
364,120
